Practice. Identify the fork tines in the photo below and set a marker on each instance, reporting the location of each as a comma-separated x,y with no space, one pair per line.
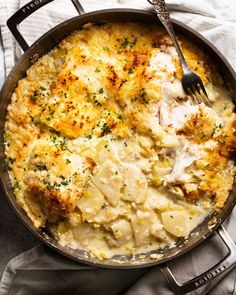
193,86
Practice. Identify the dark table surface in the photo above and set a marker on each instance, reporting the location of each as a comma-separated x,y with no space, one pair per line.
15,238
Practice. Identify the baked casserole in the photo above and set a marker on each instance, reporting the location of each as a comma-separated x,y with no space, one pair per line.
105,149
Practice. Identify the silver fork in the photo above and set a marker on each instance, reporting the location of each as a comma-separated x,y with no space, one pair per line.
191,82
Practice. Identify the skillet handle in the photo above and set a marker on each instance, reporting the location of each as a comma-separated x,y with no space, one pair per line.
27,10
223,267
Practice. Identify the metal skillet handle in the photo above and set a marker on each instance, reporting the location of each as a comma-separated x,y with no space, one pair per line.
27,10
222,268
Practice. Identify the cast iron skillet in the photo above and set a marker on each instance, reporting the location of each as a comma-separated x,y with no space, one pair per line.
41,47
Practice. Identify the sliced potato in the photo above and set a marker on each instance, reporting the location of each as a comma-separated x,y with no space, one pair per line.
158,231
105,151
176,222
141,227
105,214
122,230
91,202
135,184
108,179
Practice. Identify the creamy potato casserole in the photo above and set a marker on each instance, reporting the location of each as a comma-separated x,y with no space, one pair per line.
104,148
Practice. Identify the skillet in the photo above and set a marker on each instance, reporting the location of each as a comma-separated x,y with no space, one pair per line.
212,224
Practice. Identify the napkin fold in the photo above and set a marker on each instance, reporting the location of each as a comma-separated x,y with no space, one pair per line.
43,271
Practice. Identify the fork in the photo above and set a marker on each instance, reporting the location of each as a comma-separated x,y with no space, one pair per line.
191,82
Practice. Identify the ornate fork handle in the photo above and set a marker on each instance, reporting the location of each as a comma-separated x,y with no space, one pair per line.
161,10
164,16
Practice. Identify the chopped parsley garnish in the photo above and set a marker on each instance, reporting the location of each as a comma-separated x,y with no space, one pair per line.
41,166
105,129
49,185
125,43
96,101
9,168
42,88
10,161
97,70
59,142
101,90
65,182
89,136
134,42
33,120
216,129
143,96
53,137
68,161
34,96
133,99
131,71
17,185
63,144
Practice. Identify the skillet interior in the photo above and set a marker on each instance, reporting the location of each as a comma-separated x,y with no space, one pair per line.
41,47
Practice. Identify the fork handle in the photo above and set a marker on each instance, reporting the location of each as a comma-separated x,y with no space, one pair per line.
164,16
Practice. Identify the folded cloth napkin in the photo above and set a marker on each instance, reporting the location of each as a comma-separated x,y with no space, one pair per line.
43,271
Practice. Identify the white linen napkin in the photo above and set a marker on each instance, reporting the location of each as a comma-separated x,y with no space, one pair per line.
43,271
